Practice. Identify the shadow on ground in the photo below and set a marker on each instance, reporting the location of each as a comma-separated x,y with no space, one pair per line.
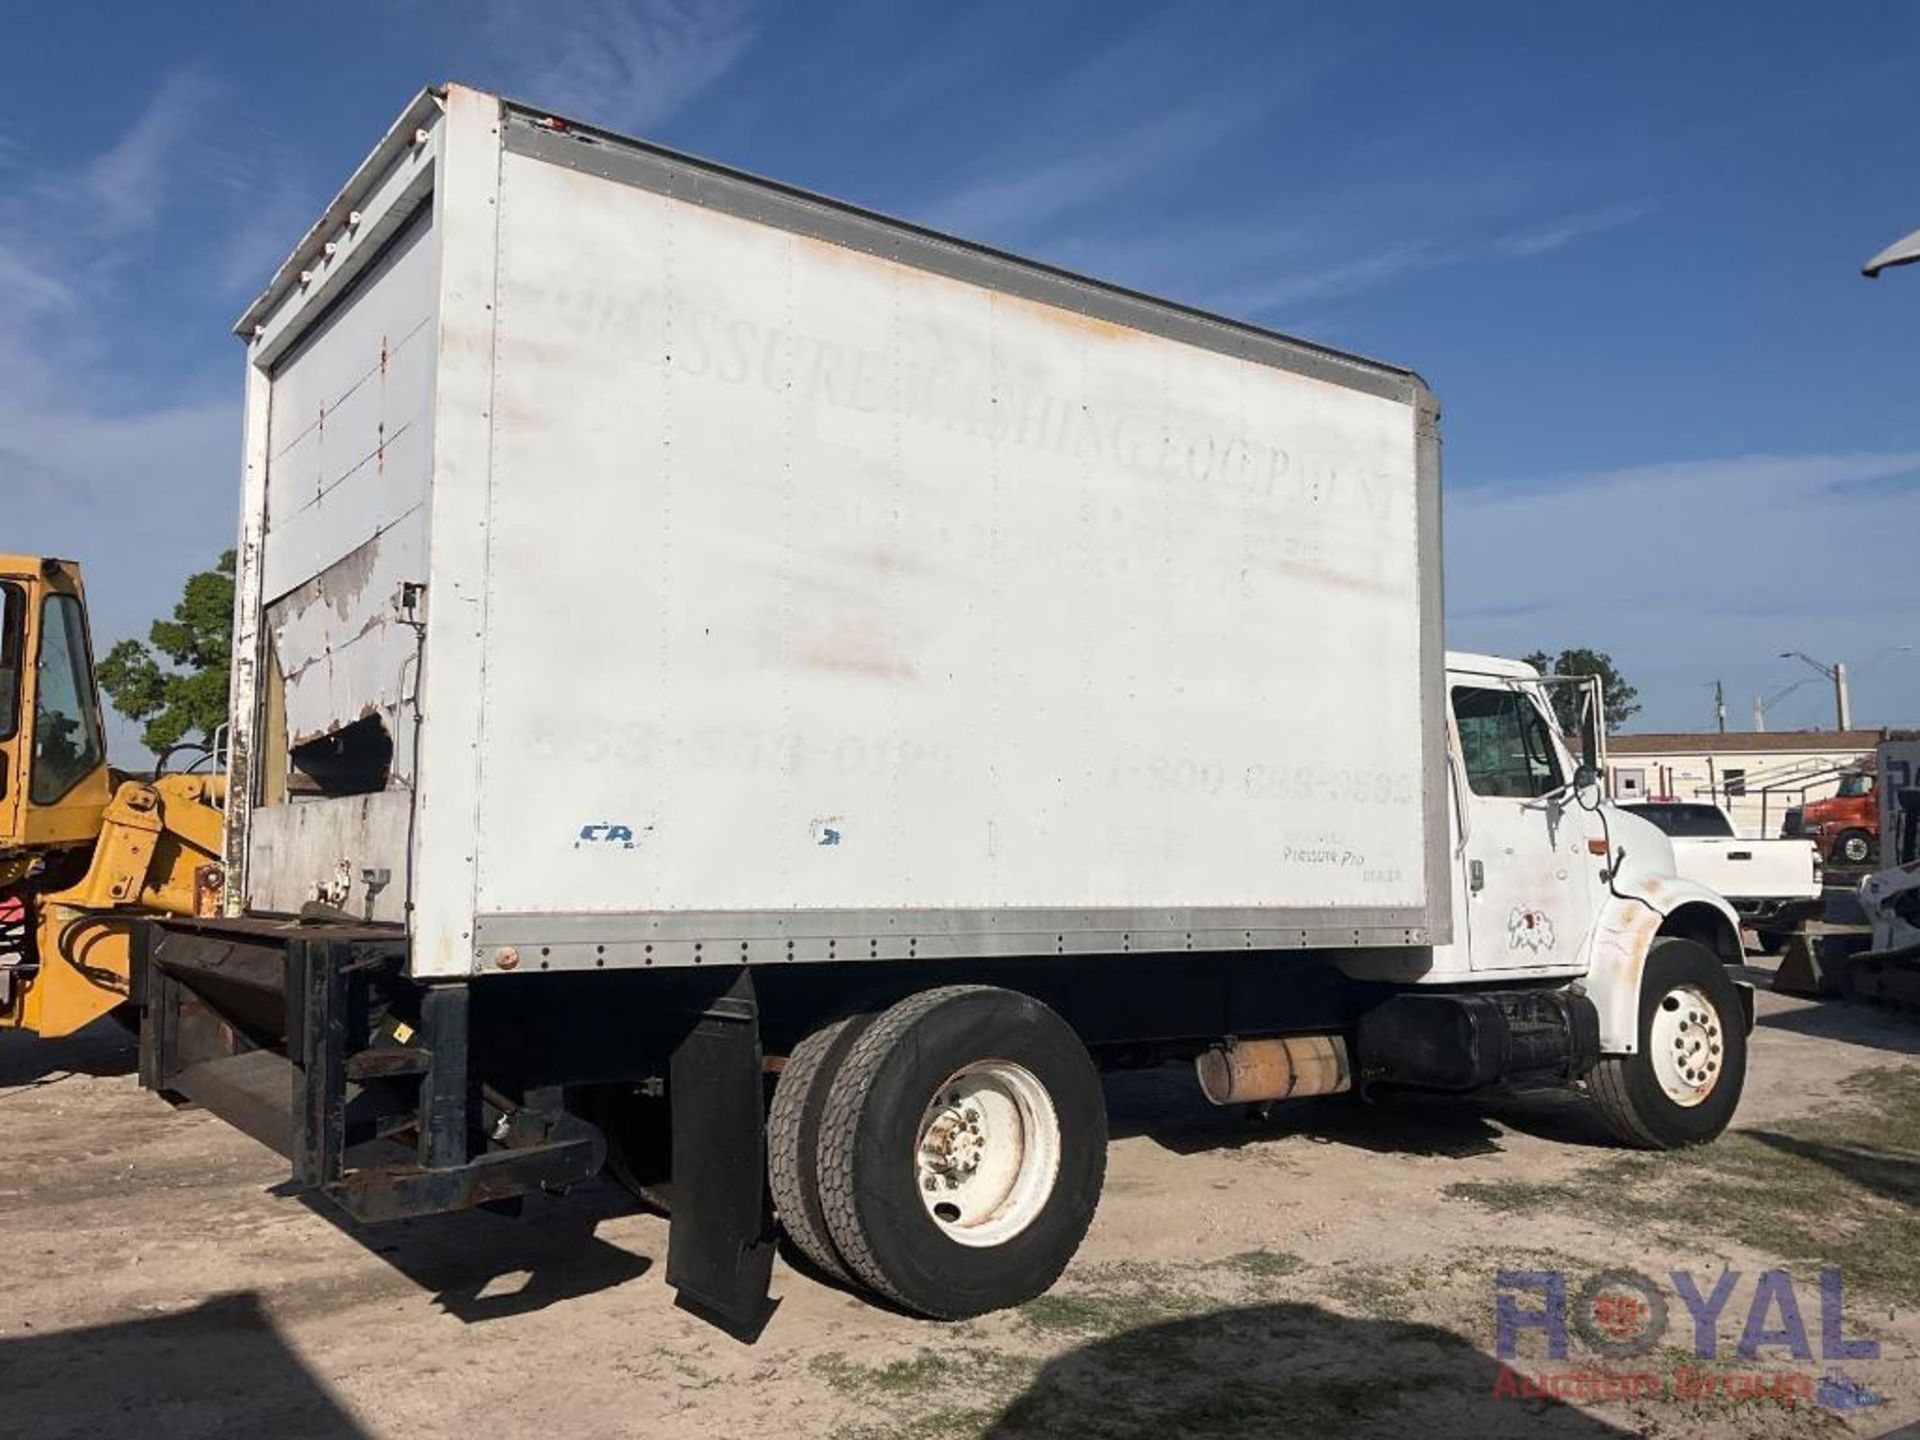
219,1371
103,1048
1850,1023
1892,1173
1165,1105
1281,1369
482,1266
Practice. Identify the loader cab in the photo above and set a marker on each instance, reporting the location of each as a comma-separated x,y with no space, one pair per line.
53,753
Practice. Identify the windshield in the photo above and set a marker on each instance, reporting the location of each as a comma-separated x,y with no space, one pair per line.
67,744
13,630
1853,785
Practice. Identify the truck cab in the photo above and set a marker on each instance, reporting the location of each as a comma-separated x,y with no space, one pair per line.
1546,872
1846,825
53,753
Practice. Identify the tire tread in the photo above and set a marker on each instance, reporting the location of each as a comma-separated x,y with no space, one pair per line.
789,1169
1611,1083
839,1124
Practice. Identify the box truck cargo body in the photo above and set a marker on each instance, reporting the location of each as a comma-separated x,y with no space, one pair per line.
688,628
821,572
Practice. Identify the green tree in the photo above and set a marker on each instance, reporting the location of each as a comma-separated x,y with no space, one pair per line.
1621,698
177,683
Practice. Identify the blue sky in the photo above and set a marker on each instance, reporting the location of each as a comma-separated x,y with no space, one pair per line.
1621,241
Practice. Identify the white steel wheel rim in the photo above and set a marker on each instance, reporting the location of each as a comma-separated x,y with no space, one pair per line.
1688,1045
988,1153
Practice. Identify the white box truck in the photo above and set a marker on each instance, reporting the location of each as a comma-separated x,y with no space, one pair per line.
740,688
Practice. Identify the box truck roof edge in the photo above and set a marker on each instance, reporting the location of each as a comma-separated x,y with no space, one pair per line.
1345,366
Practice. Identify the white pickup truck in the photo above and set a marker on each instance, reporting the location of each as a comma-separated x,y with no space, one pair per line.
1774,885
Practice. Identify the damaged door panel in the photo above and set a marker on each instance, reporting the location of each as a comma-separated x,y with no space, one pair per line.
349,415
346,659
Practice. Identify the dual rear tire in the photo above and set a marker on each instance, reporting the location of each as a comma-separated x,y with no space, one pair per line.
946,1154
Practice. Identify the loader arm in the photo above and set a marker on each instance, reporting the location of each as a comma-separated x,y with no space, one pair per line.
80,859
158,853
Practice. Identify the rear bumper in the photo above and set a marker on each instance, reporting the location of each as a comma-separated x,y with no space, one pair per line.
395,1097
1779,914
311,1040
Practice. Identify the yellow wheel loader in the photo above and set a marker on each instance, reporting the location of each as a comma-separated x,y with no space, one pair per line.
83,854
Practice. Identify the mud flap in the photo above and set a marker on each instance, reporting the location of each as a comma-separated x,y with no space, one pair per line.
720,1247
1745,992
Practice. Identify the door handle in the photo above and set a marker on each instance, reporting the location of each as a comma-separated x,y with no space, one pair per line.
1740,855
1476,876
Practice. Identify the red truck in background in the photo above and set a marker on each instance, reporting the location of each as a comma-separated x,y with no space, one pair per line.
1846,825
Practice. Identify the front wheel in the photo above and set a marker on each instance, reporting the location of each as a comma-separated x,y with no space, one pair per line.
1684,1084
961,1151
1855,847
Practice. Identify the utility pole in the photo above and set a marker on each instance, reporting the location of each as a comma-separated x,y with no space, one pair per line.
1720,705
1759,716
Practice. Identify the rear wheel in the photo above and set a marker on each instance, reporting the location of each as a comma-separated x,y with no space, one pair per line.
793,1141
1684,1084
962,1150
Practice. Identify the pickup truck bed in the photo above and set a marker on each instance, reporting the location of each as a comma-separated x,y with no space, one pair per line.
1775,885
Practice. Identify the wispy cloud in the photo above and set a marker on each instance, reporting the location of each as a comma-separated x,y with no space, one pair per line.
139,491
1404,259
1031,196
126,185
628,66
1552,235
1695,570
1132,114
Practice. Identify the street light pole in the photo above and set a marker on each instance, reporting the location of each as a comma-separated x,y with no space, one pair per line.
1837,673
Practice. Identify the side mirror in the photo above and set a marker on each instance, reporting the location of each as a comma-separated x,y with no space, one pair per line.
1592,709
1586,787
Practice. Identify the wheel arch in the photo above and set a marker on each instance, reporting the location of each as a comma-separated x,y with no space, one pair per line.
1708,925
1629,927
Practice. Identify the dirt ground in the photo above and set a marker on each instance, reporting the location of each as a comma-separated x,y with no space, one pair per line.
1328,1269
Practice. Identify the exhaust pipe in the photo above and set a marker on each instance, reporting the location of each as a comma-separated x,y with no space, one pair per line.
1246,1072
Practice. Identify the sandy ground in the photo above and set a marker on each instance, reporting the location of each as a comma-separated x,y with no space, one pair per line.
1330,1269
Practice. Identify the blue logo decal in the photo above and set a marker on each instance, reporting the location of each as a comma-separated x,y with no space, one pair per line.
606,832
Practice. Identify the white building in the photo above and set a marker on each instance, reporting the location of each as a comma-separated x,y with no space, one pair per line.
1757,776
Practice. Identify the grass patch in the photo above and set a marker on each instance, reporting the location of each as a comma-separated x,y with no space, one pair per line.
1100,1311
946,1423
1264,1264
1140,1352
1376,1291
1513,1197
921,1374
1839,1187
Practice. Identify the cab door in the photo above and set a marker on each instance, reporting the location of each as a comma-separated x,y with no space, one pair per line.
13,666
1526,847
65,747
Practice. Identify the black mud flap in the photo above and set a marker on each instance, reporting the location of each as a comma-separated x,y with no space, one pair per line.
1745,992
720,1247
